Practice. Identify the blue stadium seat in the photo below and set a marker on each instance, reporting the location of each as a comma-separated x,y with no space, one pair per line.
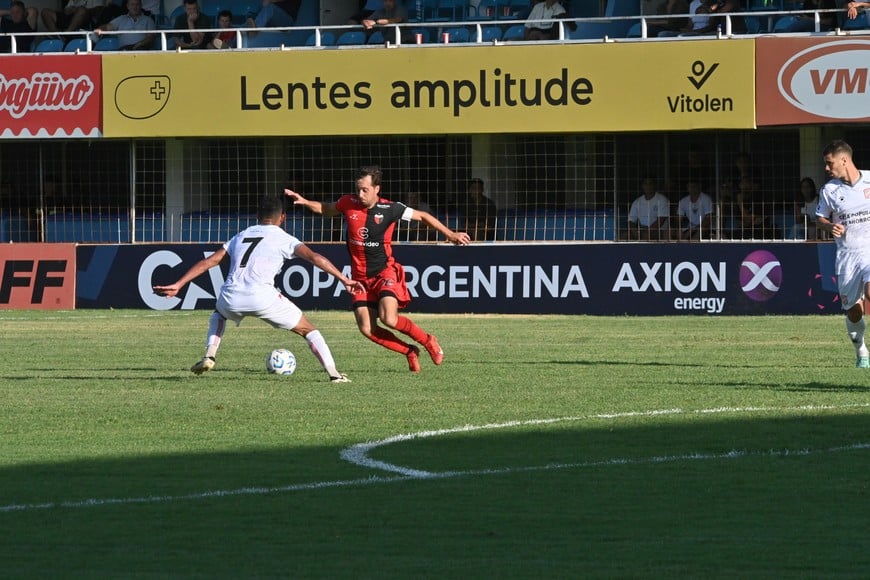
326,39
377,37
49,45
490,33
243,9
108,43
514,33
76,44
352,37
635,31
458,35
173,16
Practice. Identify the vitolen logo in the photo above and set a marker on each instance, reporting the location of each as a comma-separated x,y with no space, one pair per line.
829,80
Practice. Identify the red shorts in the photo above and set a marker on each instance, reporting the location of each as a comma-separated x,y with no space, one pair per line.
389,282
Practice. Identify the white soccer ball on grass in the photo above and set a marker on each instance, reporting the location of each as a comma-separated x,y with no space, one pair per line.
281,362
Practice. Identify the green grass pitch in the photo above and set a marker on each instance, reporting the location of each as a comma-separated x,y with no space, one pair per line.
544,447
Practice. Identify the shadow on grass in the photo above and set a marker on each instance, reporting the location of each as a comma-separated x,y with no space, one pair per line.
644,496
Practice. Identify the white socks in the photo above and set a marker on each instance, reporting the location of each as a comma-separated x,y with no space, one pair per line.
856,335
318,347
217,325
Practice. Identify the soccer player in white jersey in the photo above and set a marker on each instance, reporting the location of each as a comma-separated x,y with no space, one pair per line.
844,210
256,256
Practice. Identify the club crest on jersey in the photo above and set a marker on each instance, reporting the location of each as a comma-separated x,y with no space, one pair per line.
867,193
379,217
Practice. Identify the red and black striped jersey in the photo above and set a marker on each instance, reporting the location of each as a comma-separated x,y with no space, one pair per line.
370,233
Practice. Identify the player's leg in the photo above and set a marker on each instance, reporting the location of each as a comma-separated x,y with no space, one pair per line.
217,325
852,287
393,296
283,313
319,348
367,321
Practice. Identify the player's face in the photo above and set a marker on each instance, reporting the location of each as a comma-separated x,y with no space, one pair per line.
835,166
367,193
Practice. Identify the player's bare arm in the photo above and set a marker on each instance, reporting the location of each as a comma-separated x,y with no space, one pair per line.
457,238
196,270
825,224
327,209
309,255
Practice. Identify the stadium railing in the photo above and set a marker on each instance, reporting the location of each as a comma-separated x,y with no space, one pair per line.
608,29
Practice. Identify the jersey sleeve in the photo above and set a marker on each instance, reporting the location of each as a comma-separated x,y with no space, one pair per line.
824,209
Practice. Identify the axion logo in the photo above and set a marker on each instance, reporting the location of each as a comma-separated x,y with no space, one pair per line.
829,80
760,275
44,91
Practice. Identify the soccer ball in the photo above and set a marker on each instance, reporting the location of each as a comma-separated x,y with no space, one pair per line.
281,362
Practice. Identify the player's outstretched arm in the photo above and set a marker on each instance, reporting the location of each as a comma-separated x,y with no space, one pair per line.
322,262
457,238
196,270
327,209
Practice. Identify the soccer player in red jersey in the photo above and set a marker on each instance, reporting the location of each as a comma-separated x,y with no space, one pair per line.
371,221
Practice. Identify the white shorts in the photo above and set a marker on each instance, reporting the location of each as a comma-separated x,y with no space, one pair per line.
280,313
853,273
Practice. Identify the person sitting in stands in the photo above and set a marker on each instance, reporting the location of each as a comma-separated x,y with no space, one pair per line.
17,19
546,10
190,21
226,38
77,14
649,215
135,21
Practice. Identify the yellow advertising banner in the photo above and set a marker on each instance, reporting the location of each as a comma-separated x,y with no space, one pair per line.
638,86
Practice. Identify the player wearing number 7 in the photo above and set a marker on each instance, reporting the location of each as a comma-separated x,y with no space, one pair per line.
371,220
256,256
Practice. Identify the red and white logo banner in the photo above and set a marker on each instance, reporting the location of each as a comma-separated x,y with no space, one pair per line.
806,80
50,96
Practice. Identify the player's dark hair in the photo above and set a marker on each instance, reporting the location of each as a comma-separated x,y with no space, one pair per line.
836,147
372,171
225,14
270,206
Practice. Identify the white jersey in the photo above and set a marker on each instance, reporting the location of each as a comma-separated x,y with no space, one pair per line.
695,211
848,205
257,255
648,211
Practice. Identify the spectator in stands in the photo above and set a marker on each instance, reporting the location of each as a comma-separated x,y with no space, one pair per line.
392,12
366,9
852,9
548,10
741,168
191,22
696,24
273,14
649,215
137,22
112,10
226,38
805,211
695,212
807,22
17,18
674,23
479,212
755,221
77,14
738,26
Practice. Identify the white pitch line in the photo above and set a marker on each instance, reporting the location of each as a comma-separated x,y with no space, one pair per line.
358,454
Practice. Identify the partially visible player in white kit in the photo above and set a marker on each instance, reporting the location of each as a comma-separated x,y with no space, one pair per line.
257,255
844,210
